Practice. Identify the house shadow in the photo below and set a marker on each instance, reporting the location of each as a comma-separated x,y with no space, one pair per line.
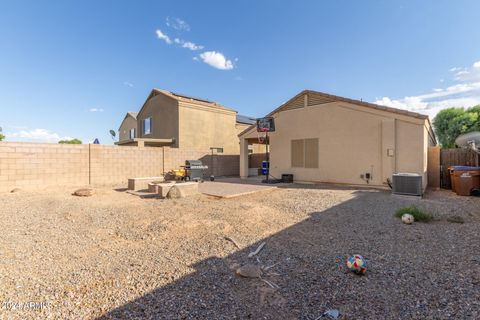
307,275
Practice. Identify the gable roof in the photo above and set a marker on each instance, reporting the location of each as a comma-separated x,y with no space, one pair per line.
132,114
316,97
129,114
321,97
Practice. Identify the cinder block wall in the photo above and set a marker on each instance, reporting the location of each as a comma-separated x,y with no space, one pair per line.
255,160
112,164
218,164
37,165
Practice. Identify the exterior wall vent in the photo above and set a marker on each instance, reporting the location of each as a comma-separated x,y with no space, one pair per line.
407,184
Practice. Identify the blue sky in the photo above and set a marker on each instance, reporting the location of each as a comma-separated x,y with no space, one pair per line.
74,68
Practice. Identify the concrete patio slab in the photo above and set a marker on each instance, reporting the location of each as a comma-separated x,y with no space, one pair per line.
235,187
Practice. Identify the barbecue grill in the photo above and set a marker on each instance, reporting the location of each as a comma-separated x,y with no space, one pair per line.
194,170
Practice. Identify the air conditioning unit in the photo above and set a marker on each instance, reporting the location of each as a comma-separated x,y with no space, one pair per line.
407,184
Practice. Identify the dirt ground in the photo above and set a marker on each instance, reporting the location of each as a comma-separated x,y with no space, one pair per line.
116,256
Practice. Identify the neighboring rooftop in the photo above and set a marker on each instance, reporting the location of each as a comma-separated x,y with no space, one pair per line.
185,98
133,114
245,119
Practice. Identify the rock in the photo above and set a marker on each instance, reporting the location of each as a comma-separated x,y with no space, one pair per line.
249,271
16,190
83,192
179,190
175,193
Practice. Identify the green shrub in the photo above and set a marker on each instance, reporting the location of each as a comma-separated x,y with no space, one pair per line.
417,213
73,141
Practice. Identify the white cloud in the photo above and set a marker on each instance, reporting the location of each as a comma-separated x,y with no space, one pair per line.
216,60
177,24
162,36
128,84
41,135
464,93
195,58
469,74
192,46
187,44
95,110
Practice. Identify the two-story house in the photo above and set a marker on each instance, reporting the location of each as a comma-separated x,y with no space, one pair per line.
180,121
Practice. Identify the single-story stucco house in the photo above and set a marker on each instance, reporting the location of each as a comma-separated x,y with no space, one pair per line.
325,138
180,121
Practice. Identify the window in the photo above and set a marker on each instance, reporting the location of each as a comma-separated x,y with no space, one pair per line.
311,153
298,153
147,125
132,133
304,153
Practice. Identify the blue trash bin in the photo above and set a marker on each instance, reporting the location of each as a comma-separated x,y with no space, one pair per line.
265,166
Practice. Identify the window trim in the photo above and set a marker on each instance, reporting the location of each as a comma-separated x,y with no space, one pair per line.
131,137
150,126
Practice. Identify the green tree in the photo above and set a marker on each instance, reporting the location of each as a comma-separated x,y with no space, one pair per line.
73,141
475,110
452,122
2,137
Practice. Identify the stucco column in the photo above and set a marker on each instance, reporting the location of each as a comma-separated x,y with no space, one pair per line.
141,143
243,158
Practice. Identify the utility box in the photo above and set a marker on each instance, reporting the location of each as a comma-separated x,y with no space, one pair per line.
407,184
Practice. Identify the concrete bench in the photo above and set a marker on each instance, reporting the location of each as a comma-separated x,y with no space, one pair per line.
142,183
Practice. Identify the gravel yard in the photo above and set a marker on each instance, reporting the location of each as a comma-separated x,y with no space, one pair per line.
114,255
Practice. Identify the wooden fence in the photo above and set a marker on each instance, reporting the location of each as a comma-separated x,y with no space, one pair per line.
454,157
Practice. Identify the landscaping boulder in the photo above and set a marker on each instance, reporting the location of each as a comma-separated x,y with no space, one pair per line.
182,190
175,193
249,271
83,192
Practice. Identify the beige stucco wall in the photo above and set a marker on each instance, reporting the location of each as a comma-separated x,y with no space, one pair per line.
240,127
352,141
202,127
124,131
165,118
